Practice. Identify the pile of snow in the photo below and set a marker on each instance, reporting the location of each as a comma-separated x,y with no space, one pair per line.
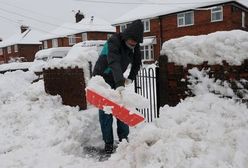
38,131
214,48
15,66
13,83
79,56
128,98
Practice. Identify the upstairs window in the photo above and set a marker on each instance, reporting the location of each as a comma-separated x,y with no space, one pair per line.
84,37
146,24
16,48
9,49
217,14
55,43
72,40
185,19
123,27
45,45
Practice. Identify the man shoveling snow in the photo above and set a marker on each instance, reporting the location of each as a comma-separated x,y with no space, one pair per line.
118,52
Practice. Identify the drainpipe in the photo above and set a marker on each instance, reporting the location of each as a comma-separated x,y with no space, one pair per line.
160,32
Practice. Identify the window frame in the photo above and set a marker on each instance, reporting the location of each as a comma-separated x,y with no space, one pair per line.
147,22
55,43
16,48
1,51
84,36
144,50
45,44
109,35
121,27
214,12
183,17
72,39
9,50
243,17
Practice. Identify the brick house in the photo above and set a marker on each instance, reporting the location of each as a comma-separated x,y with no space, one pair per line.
85,28
21,46
168,21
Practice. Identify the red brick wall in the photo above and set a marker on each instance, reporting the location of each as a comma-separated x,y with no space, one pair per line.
173,88
68,83
64,42
28,51
202,23
97,35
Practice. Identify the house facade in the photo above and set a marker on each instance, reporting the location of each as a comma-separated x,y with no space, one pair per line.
85,28
197,20
20,47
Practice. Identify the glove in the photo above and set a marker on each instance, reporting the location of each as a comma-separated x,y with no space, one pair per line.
120,89
128,81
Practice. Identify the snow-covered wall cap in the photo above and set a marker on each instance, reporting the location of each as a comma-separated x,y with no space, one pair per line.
85,25
30,36
163,7
230,46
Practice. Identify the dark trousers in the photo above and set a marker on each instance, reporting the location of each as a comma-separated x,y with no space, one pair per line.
106,121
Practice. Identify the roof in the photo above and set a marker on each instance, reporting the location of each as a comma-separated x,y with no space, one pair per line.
163,7
85,25
30,36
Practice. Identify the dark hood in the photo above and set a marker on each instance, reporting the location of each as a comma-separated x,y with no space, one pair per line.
134,31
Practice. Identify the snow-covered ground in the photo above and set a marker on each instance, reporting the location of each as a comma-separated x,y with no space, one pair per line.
36,130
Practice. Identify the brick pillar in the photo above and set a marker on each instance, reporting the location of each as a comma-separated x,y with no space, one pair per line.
68,83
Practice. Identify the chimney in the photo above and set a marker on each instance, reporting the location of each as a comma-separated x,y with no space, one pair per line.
92,19
24,28
79,16
1,39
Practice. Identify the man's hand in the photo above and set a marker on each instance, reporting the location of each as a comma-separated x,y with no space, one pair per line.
120,89
128,81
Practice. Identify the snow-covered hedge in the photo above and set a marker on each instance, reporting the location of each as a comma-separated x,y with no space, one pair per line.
231,46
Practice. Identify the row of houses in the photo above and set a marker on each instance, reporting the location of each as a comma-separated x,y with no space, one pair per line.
169,20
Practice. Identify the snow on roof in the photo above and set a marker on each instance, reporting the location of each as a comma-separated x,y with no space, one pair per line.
30,36
168,6
230,46
85,25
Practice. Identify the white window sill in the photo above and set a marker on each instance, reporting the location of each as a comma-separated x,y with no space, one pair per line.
185,25
212,21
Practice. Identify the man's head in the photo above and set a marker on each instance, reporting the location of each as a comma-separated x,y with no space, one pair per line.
134,33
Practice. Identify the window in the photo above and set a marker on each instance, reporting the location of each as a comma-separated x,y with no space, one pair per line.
72,40
216,14
147,52
109,35
1,51
84,37
16,48
9,49
243,19
123,27
146,24
45,44
55,42
185,19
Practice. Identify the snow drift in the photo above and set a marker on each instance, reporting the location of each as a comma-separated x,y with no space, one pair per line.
214,48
